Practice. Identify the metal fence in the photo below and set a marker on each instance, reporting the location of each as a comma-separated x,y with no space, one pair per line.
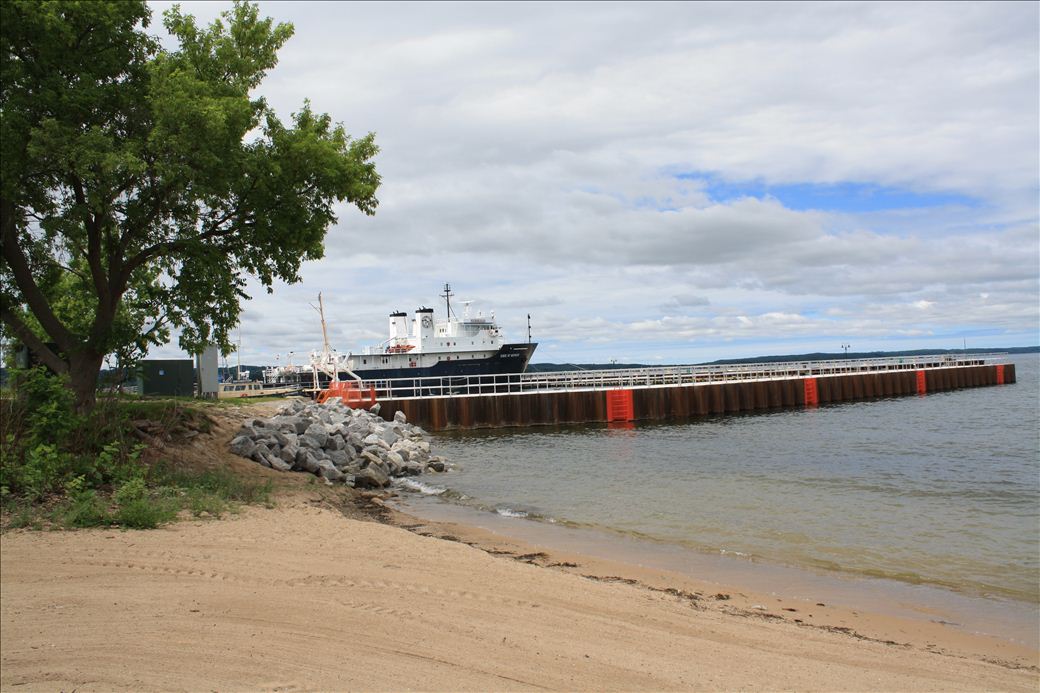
663,376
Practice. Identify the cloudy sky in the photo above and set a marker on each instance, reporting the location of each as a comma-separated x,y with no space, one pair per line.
674,183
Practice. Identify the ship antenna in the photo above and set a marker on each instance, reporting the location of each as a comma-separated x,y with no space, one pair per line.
528,328
447,298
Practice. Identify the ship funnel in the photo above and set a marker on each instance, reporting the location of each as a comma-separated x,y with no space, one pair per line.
398,325
423,328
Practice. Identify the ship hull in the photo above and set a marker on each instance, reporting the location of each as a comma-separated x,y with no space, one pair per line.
510,359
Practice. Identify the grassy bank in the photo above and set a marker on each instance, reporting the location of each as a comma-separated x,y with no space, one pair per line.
114,466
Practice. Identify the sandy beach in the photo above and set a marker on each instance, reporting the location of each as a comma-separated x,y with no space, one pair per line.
302,597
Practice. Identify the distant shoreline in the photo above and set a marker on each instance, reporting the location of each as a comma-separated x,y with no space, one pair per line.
782,358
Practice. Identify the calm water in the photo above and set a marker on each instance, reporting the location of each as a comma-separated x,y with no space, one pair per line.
939,490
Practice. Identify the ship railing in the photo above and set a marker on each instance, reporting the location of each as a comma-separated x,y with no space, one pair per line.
659,376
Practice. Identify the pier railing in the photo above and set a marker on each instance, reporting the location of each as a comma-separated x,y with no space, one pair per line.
661,376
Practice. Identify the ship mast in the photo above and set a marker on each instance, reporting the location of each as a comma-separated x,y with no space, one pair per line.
329,360
447,298
326,359
324,331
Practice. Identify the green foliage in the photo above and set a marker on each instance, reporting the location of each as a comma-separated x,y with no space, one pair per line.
47,444
42,473
139,508
46,405
212,487
22,516
85,509
85,470
140,186
200,502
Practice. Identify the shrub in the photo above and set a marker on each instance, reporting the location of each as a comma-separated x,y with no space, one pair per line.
138,509
85,509
145,513
46,443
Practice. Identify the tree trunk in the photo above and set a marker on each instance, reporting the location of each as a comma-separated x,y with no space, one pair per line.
84,368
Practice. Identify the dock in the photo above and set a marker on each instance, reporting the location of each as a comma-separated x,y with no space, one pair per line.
624,396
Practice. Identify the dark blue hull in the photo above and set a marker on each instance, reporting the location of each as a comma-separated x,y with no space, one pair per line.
511,358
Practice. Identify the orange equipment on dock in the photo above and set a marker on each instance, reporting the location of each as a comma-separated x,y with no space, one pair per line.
350,393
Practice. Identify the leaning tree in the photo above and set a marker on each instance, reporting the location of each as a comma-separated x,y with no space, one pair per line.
141,186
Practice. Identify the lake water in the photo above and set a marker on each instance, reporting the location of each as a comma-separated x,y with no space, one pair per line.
941,490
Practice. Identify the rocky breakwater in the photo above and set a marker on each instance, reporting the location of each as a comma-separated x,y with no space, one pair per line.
337,443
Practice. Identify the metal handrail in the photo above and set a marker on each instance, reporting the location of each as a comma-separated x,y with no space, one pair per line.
657,376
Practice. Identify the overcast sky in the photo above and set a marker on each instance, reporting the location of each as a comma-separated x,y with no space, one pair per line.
673,183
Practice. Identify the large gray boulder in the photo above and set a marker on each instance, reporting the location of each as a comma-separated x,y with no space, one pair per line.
327,470
371,476
394,463
309,441
412,468
248,431
278,463
306,461
367,457
318,432
389,436
288,453
339,458
243,446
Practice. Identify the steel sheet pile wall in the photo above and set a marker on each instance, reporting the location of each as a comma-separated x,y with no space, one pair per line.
682,402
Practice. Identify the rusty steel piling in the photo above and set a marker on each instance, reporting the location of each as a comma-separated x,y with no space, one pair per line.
669,402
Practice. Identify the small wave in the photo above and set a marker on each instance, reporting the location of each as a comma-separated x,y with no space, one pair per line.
420,487
509,512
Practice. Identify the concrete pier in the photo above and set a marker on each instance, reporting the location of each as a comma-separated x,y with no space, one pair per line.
661,401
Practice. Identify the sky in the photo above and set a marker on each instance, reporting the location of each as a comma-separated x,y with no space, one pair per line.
675,182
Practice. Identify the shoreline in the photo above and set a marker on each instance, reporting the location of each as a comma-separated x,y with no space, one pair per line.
306,596
869,609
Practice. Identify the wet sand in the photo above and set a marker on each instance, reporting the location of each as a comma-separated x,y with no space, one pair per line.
300,597
1001,620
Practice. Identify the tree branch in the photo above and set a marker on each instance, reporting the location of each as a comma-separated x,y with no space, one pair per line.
31,293
34,343
90,221
159,322
71,270
170,247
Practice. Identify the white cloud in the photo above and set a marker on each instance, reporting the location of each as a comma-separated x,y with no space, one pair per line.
530,152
